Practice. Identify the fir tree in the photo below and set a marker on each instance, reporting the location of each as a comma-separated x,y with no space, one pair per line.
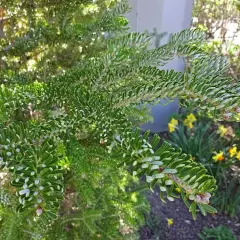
71,81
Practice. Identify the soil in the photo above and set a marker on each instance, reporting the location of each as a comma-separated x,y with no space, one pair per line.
183,227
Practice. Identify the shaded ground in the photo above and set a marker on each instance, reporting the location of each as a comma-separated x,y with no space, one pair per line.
184,227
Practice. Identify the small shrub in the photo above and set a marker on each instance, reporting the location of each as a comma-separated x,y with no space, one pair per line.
218,233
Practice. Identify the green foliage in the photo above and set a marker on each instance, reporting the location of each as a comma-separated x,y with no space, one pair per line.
227,199
156,224
204,141
10,228
209,15
200,141
39,180
106,198
215,17
68,132
5,198
158,166
75,29
218,233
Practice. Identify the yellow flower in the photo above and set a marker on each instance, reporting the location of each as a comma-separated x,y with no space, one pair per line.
233,151
218,157
178,190
222,130
174,121
188,123
172,125
238,116
191,118
238,155
169,221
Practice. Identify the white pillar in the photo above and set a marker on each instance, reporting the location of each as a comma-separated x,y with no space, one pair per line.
161,16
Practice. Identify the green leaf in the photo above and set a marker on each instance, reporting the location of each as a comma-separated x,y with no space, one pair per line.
210,209
193,209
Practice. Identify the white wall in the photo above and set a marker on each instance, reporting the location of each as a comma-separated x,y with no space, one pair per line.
169,16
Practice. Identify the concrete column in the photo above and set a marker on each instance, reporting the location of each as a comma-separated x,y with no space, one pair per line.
161,18
133,15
